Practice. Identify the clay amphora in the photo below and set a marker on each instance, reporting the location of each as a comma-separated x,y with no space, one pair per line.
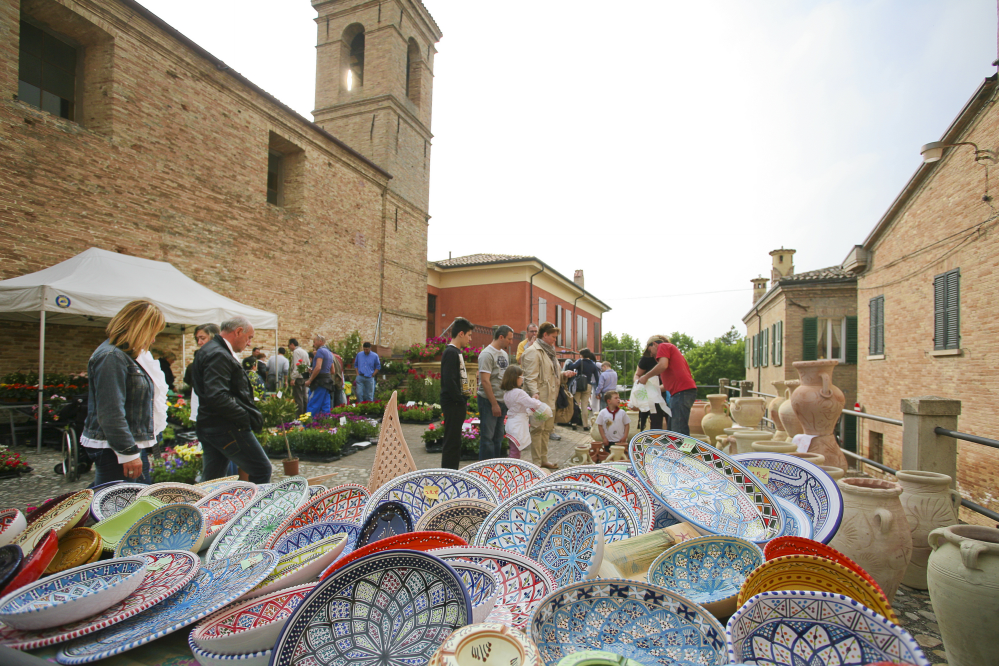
818,404
963,577
875,532
788,419
697,412
772,410
748,412
929,502
715,419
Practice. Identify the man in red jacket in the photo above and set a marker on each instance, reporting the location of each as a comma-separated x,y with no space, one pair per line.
675,377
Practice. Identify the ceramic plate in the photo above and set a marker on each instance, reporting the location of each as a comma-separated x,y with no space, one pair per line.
401,603
482,585
214,482
805,485
34,563
795,627
310,534
72,595
171,527
461,517
523,582
211,486
708,570
704,486
11,557
388,519
112,499
808,572
340,503
113,529
12,523
621,483
639,621
316,490
33,514
61,517
507,476
216,584
567,542
421,541
166,572
800,546
173,493
75,548
222,504
252,526
487,644
422,489
509,525
251,625
301,566
795,522
205,658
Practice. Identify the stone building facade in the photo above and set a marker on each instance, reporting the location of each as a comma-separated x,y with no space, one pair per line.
118,132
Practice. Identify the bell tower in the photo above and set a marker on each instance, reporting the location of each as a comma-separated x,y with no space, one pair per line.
374,85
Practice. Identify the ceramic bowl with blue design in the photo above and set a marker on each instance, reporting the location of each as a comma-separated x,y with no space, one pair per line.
387,520
483,586
310,534
708,570
171,527
568,542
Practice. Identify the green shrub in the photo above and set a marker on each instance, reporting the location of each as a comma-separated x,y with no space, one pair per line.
277,411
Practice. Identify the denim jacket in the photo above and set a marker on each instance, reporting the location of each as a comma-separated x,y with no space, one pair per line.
120,409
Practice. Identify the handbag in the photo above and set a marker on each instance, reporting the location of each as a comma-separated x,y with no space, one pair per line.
563,400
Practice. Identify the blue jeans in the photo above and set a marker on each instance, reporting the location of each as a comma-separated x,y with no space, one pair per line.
365,388
220,445
492,429
107,468
680,404
319,401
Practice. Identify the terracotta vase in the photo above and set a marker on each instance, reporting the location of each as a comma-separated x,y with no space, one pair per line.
290,466
963,577
748,412
715,419
929,502
744,439
788,419
697,412
875,532
773,447
818,404
773,408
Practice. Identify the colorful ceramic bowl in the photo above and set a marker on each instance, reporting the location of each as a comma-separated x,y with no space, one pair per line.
621,483
422,489
253,526
507,476
114,528
808,572
790,628
789,545
11,557
567,541
387,520
647,623
460,517
219,481
172,527
598,658
173,493
72,595
343,503
483,587
249,626
75,548
12,523
486,644
310,534
33,564
708,570
301,566
109,500
420,541
205,658
61,517
220,505
315,490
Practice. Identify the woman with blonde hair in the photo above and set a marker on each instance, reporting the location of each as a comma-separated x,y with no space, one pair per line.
120,410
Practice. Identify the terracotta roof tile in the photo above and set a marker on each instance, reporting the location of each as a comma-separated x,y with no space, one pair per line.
478,259
830,273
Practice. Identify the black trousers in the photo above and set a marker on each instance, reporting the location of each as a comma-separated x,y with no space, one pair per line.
454,419
658,419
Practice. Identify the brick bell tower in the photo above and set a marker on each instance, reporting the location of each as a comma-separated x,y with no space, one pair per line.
374,85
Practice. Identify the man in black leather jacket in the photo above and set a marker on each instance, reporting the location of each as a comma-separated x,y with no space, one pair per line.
227,417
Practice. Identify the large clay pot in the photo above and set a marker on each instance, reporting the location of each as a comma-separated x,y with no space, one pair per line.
814,458
788,419
770,446
697,412
744,439
835,472
773,408
929,502
963,577
875,532
818,404
715,419
748,412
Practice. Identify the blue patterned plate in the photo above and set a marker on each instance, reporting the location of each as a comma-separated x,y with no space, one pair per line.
567,542
805,485
170,527
251,527
310,534
639,621
460,517
795,522
507,476
217,583
388,519
708,570
396,606
792,628
624,484
425,488
111,499
483,587
704,486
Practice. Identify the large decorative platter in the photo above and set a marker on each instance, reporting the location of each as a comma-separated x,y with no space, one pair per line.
805,485
253,526
487,644
567,541
72,595
461,517
171,527
111,499
173,493
251,625
11,557
112,529
707,570
346,501
799,546
33,514
421,541
523,582
213,482
301,566
216,584
222,504
441,484
509,525
622,483
507,476
401,603
205,658
809,572
387,520
166,572
317,489
482,584
310,534
75,548
647,623
12,523
61,517
803,627
34,563
704,486
795,522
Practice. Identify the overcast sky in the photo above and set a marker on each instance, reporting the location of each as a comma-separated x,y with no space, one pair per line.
664,147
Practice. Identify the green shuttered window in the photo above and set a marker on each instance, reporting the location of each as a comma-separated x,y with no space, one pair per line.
876,307
946,310
809,338
851,340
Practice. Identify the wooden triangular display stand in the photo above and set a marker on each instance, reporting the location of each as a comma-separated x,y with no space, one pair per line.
392,456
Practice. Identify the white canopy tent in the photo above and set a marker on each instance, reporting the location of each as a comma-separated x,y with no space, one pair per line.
93,286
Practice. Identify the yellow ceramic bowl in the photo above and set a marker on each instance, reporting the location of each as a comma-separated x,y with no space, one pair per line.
76,547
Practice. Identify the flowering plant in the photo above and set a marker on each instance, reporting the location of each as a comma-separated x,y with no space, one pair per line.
11,462
303,369
180,464
179,412
432,433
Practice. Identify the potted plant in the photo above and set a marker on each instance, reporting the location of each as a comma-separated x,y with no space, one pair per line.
433,438
290,464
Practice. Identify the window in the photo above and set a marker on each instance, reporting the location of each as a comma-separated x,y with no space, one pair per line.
875,446
274,177
581,331
413,61
765,354
832,338
777,342
559,323
749,353
568,328
831,333
597,340
285,173
47,72
877,326
355,74
946,310
542,311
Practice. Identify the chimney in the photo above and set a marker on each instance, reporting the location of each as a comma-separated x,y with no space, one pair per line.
759,288
783,264
578,278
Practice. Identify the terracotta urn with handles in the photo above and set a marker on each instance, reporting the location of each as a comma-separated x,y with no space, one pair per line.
773,408
929,502
788,419
818,404
748,412
715,419
696,414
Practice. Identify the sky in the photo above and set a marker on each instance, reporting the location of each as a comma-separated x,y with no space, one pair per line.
664,147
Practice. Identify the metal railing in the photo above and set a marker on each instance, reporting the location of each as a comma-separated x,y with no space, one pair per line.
984,441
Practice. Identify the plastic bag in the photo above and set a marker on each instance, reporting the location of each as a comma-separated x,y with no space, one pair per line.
518,429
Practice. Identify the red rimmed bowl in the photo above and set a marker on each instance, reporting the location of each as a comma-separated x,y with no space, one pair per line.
793,545
423,541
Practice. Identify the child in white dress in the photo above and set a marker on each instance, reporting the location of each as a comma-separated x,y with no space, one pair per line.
521,410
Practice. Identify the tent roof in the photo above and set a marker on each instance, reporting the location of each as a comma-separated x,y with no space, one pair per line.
97,284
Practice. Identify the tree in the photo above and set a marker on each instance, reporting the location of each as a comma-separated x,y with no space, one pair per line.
623,354
683,342
722,357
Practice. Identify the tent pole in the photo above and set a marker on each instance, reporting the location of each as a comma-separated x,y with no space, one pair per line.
183,347
41,381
